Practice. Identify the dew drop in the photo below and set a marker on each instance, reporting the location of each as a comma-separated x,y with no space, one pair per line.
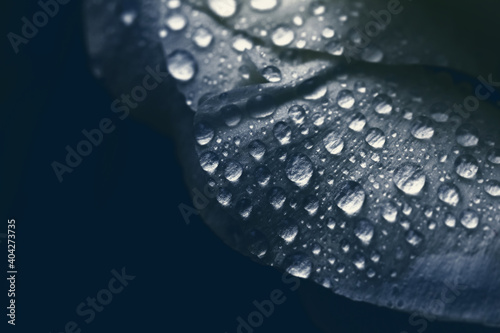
181,65
466,166
409,178
334,143
350,197
299,169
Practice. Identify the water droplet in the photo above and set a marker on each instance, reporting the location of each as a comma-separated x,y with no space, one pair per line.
449,194
181,65
261,106
382,104
244,208
390,212
224,196
450,220
375,138
492,187
297,114
298,265
328,32
288,232
466,166
271,74
263,5
233,171
223,8
334,143
372,54
262,175
422,128
242,43
209,161
311,204
364,231
282,132
203,37
345,99
494,156
299,169
203,133
439,112
176,22
276,197
350,197
231,114
257,149
357,122
257,243
413,237
282,35
467,136
469,219
409,178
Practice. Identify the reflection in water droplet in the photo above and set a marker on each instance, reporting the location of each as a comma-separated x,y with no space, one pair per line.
181,65
298,265
350,197
263,5
469,219
257,149
231,114
299,169
333,143
449,194
203,37
261,106
233,171
410,178
345,99
422,128
223,8
271,74
282,35
382,104
466,166
203,133
467,136
282,132
364,231
209,161
492,187
375,138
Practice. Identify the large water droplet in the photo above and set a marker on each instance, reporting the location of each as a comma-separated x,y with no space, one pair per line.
231,114
410,178
350,197
298,265
272,74
263,5
345,99
261,106
492,187
299,169
333,143
467,136
449,194
233,171
209,161
422,128
375,138
203,37
223,8
204,133
282,35
364,231
181,65
466,166
382,104
469,219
